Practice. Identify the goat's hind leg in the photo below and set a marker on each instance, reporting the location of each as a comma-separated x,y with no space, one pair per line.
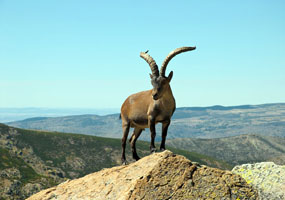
137,132
126,128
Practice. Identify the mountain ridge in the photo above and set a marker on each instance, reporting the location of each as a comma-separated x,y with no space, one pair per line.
237,150
187,122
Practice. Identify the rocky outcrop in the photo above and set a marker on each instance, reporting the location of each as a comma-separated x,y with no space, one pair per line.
267,177
158,176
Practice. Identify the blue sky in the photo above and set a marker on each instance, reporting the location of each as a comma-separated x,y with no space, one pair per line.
85,54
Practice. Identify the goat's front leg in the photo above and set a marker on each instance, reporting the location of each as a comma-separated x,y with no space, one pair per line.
165,126
126,128
151,122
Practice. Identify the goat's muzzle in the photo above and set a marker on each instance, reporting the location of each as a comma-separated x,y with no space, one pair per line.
155,96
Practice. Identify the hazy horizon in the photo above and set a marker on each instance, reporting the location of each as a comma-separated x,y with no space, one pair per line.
98,108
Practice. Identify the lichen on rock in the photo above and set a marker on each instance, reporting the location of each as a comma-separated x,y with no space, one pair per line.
267,177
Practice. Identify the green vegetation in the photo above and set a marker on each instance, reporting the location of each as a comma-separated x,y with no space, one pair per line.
57,149
8,161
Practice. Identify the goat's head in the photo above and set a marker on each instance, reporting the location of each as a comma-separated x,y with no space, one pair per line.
159,81
160,85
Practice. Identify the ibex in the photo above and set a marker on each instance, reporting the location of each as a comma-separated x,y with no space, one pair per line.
147,108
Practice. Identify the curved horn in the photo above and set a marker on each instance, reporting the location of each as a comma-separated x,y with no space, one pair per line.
151,62
171,55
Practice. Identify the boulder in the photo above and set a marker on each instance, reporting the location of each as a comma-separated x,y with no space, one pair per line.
158,176
267,177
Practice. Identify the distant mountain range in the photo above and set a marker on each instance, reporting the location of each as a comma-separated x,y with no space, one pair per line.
187,122
16,114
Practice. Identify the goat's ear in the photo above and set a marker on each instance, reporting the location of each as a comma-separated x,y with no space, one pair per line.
170,76
151,76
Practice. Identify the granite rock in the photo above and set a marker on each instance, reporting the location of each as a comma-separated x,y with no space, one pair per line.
267,177
158,176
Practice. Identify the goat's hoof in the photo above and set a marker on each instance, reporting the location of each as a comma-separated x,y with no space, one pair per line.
162,149
124,162
152,150
136,158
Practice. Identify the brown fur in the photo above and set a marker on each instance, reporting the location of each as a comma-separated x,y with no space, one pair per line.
147,108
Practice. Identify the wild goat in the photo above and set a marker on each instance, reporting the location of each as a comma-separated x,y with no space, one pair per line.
147,108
